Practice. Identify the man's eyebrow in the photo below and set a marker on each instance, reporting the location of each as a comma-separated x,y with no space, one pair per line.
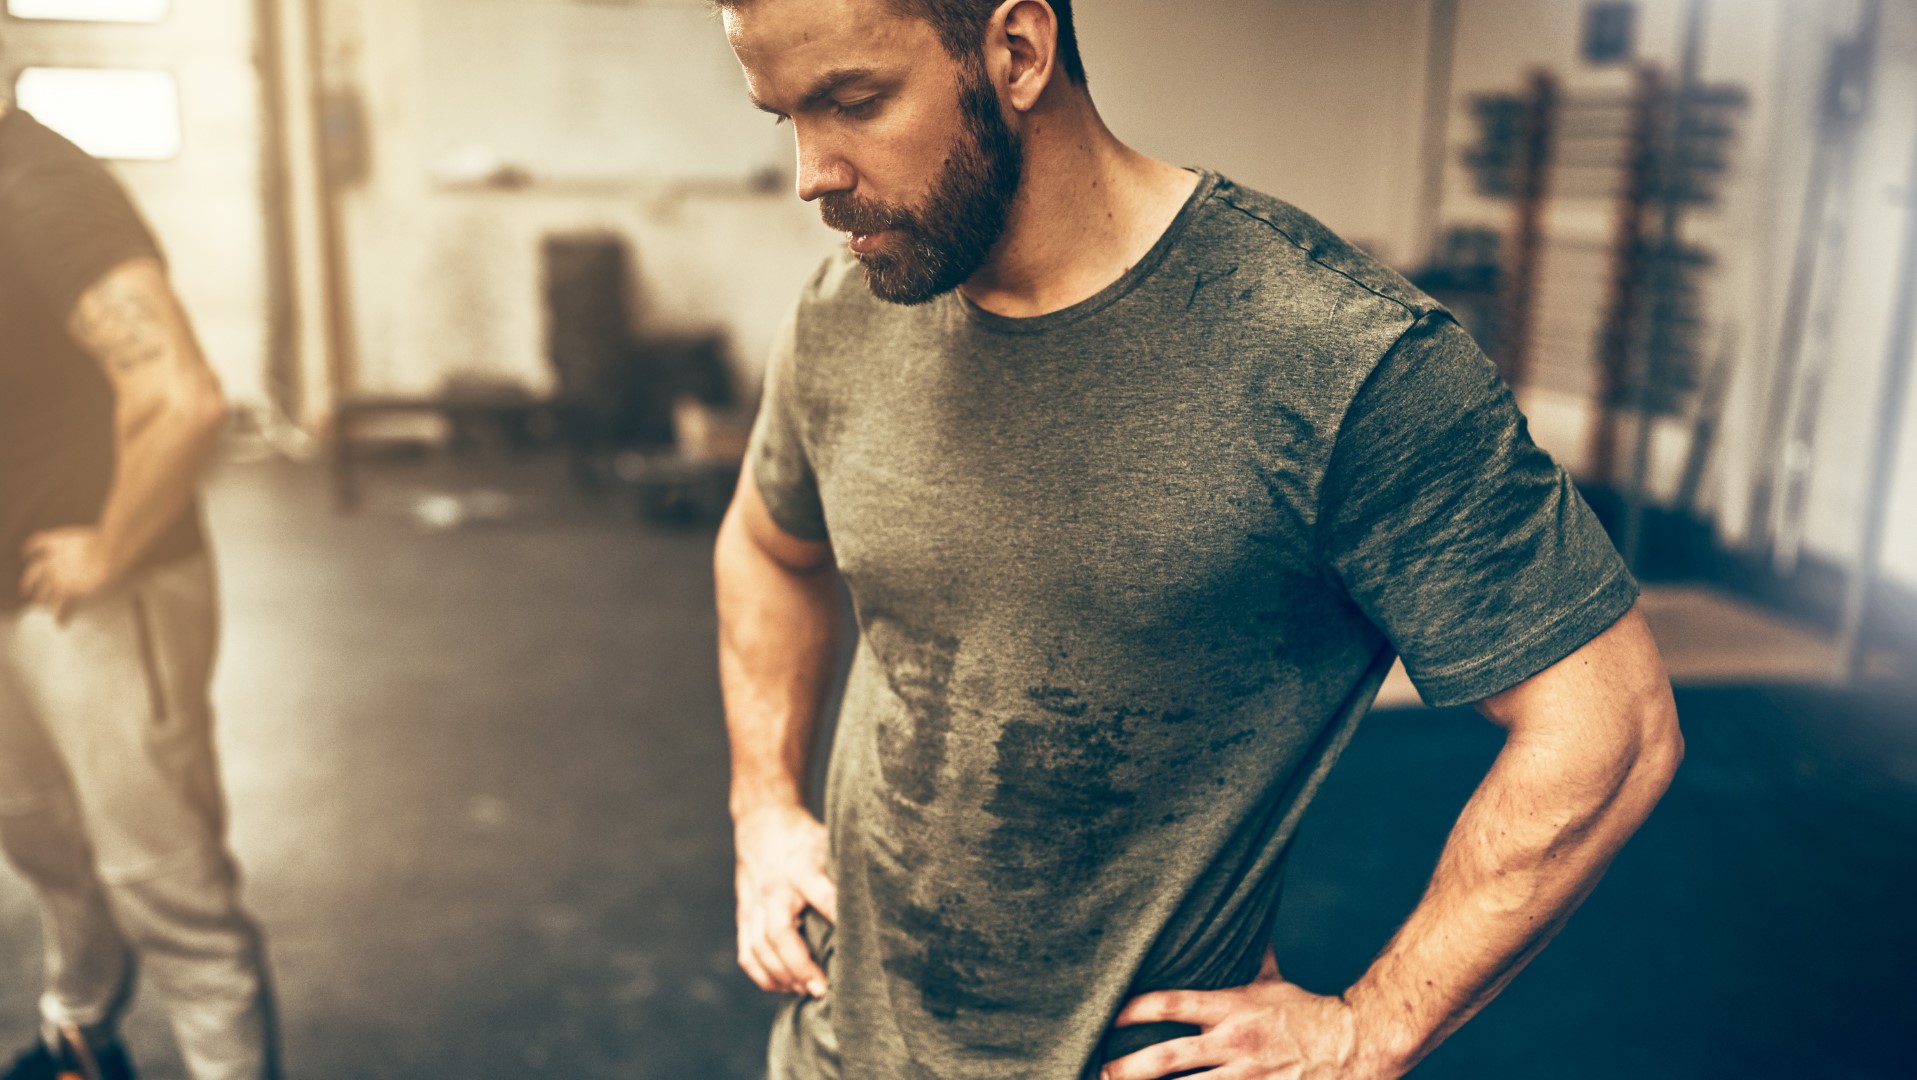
824,88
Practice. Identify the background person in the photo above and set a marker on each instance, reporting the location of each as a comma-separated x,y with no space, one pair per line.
110,798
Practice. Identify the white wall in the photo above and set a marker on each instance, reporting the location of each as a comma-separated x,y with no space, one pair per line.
445,277
590,91
1318,102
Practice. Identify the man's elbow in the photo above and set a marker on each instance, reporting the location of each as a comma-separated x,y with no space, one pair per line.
196,404
206,407
1660,743
1636,769
187,403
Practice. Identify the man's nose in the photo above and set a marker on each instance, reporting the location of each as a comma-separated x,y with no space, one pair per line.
822,170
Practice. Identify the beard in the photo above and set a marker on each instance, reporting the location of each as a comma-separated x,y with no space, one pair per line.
942,242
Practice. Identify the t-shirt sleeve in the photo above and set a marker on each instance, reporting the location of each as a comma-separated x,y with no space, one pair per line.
1466,544
777,454
66,222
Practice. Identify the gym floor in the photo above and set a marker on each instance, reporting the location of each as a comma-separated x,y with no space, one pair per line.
476,764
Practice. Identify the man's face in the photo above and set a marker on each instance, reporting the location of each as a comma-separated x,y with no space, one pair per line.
904,147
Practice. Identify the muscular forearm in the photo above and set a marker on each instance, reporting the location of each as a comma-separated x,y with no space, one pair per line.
1592,743
777,639
1529,846
159,451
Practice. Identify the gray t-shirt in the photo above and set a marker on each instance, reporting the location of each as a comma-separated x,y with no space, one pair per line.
1126,576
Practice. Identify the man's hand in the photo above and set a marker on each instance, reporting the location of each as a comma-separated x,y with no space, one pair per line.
1269,1030
780,871
64,567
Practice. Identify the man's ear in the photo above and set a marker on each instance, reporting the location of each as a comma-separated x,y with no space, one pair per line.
1023,41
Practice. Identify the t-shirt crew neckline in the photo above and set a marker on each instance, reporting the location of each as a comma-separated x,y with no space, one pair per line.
1208,183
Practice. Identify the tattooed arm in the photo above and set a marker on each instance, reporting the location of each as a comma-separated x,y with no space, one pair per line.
167,413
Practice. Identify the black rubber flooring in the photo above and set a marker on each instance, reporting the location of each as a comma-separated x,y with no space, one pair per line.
478,781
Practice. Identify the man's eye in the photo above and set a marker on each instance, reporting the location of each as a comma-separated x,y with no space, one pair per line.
858,109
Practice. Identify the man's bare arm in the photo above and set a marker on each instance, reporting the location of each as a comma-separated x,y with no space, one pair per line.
778,620
167,412
1592,745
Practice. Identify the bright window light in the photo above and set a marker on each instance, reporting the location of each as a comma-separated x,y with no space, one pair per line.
110,113
134,11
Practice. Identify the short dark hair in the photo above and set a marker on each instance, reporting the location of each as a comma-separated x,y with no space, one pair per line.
961,27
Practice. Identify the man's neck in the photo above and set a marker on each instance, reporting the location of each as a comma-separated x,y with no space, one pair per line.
1088,210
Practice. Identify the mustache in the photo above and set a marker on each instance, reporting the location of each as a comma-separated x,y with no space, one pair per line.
842,213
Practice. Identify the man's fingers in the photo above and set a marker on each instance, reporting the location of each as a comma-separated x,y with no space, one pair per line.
754,970
787,974
40,586
1164,1059
781,954
1198,1007
35,545
822,895
31,580
796,956
778,979
754,957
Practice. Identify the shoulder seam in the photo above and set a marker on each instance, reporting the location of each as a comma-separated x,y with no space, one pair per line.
1280,230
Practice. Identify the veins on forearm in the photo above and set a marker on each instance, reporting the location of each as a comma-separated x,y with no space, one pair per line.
124,324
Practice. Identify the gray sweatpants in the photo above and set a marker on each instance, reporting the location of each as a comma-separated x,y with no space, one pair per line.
111,808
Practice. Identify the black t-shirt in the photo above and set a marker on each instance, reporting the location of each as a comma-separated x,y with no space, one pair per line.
64,222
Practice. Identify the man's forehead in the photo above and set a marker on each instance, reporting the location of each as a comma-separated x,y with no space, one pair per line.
787,23
787,46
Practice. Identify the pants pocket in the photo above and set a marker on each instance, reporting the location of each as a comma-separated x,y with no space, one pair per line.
818,932
159,705
175,630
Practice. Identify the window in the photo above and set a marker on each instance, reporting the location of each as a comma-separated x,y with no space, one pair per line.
110,113
132,11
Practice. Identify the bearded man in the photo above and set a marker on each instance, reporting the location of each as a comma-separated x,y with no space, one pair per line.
1138,481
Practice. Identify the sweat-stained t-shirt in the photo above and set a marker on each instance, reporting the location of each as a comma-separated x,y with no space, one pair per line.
1126,576
64,222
